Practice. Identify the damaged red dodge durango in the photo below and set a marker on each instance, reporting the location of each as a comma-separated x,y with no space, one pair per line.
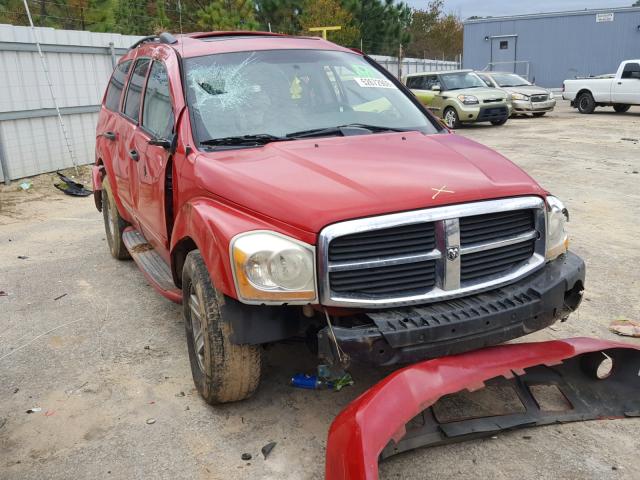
287,187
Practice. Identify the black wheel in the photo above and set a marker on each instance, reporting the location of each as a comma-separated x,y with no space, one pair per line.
586,103
114,225
621,108
539,114
499,122
451,118
222,371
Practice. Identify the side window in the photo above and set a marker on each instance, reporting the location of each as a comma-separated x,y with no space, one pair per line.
116,85
415,82
431,81
157,114
134,90
631,70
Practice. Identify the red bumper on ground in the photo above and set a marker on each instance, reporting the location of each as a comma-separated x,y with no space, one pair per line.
361,431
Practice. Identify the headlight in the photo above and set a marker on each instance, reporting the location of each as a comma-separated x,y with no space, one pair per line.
551,96
519,96
557,217
269,267
468,99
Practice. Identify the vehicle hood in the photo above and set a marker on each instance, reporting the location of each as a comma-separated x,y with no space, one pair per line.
528,90
481,93
312,183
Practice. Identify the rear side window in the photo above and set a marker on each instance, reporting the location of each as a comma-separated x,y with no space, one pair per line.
134,90
157,114
415,82
116,85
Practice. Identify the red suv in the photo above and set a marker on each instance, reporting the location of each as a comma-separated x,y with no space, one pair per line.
287,187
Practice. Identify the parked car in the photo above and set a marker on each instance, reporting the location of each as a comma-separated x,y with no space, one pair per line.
459,96
285,187
525,97
619,90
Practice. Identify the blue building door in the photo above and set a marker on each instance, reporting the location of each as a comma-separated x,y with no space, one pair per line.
503,53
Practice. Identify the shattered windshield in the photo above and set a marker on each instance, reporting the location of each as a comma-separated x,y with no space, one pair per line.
276,93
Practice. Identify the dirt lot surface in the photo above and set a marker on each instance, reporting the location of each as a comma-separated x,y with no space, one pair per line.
84,338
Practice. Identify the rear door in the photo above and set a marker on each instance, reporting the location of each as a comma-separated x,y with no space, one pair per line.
626,89
106,138
157,123
417,85
128,155
437,102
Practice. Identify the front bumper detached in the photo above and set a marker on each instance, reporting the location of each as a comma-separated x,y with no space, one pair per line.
411,334
429,403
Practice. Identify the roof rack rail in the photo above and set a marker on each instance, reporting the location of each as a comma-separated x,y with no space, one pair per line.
164,37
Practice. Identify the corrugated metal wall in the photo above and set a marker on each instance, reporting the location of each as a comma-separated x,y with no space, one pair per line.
80,64
557,46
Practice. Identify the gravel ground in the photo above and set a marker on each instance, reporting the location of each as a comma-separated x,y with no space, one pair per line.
84,338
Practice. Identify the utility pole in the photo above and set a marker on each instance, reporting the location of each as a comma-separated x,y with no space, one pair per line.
400,61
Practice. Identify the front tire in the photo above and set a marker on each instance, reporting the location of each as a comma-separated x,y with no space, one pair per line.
114,224
222,371
586,103
620,108
451,118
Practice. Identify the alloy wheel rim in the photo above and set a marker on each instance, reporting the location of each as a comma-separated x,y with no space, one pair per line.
450,119
196,327
111,220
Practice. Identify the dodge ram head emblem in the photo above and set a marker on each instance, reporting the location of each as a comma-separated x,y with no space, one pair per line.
453,252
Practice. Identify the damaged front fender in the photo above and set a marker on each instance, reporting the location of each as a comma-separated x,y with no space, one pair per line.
534,384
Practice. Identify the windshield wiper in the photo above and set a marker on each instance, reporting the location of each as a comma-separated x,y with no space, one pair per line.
244,140
321,132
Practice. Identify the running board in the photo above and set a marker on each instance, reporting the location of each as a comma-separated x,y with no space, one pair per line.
153,266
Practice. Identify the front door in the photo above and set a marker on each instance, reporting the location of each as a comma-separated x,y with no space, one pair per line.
157,124
627,88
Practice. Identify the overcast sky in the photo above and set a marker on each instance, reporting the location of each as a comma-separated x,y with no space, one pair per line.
496,8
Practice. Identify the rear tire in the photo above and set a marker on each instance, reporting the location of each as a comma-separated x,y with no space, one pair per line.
114,224
539,114
586,103
499,122
451,118
222,371
620,108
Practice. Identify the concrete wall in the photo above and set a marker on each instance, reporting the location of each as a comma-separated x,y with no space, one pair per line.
556,46
80,64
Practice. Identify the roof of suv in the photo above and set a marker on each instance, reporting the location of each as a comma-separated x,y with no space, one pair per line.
206,43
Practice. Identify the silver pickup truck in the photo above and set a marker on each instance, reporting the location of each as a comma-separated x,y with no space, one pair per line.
620,90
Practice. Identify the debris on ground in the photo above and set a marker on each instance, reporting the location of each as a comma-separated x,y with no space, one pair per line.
246,456
34,410
49,413
180,394
71,187
24,186
627,328
3,421
626,139
3,293
16,390
326,378
345,381
60,296
151,421
266,450
22,257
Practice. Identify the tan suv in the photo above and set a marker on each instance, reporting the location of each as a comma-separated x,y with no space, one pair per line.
459,96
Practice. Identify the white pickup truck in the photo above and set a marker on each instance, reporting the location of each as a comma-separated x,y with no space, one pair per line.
620,90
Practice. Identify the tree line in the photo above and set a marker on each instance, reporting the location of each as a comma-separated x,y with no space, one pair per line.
376,26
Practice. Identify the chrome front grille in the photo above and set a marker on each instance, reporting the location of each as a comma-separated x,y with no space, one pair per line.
430,255
539,98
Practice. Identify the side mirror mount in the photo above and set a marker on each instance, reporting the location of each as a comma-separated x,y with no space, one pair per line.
168,145
436,88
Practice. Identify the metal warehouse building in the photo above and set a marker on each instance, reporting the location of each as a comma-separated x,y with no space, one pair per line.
550,47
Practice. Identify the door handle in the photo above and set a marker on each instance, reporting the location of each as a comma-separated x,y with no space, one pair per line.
109,135
133,154
619,83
